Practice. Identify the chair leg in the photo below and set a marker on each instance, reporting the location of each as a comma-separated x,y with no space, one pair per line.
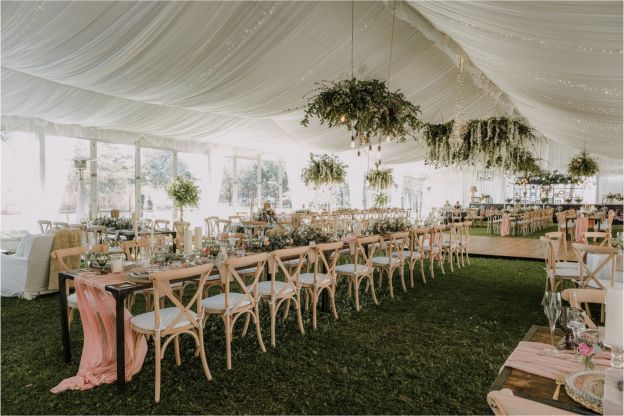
332,295
202,353
356,286
314,302
389,273
287,309
412,275
451,260
227,323
176,347
373,291
297,302
422,270
246,327
272,313
403,278
256,316
157,371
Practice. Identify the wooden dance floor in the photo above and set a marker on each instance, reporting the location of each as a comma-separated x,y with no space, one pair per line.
519,248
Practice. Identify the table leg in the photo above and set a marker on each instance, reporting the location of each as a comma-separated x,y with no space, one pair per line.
120,342
64,318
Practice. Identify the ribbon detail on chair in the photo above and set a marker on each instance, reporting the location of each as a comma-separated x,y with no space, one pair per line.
582,225
505,225
98,363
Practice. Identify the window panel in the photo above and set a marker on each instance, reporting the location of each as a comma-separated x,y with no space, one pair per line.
227,183
115,178
196,165
246,176
156,173
270,184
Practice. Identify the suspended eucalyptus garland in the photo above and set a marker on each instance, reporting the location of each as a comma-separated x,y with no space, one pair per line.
546,178
324,170
494,142
380,178
583,165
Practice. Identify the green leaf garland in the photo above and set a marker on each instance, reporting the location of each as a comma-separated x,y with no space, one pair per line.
324,170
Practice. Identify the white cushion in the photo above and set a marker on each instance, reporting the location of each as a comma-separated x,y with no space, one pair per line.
147,320
567,272
72,300
21,248
217,302
407,253
265,288
384,260
308,278
567,265
349,268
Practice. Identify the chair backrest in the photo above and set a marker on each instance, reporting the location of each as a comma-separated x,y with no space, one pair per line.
361,245
608,258
419,236
557,239
132,248
223,226
44,226
326,254
61,256
211,226
276,263
576,297
162,288
249,290
598,238
398,243
180,227
161,224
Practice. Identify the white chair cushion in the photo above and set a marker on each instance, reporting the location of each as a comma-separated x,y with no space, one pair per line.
407,253
567,265
349,268
574,273
265,288
147,320
307,279
384,260
217,302
72,300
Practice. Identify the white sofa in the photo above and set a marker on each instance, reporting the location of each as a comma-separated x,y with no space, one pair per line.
26,273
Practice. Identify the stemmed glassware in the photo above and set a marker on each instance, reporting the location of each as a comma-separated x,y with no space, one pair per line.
576,322
552,309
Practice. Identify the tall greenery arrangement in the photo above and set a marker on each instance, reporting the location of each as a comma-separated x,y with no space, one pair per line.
583,165
495,142
324,170
184,192
381,199
546,178
366,107
380,178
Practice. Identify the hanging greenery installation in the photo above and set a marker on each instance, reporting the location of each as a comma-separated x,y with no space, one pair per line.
380,178
583,166
324,170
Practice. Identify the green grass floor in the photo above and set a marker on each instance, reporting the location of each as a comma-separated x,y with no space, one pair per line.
434,350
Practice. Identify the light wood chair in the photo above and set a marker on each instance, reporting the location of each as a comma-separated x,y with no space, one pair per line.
60,224
452,245
589,274
464,241
44,226
180,228
212,230
232,305
394,259
223,226
558,272
161,225
415,253
433,248
363,251
578,297
323,260
277,291
598,238
61,256
132,248
169,323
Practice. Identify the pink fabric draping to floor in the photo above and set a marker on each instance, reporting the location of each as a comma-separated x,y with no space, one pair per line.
505,225
582,224
98,363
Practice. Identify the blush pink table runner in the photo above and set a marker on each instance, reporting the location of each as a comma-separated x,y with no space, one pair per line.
582,225
98,363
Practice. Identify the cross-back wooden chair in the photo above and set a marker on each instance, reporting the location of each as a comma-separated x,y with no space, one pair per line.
323,260
589,273
62,257
277,291
561,250
231,305
160,225
132,248
415,253
557,274
464,241
171,322
147,223
255,226
180,228
578,297
451,245
597,238
363,251
434,249
212,229
44,226
393,259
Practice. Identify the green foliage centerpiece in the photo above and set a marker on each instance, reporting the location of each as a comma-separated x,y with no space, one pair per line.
583,166
367,108
381,199
184,192
495,142
324,170
380,178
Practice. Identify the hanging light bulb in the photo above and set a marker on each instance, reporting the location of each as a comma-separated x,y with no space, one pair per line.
343,118
388,138
370,147
379,152
352,141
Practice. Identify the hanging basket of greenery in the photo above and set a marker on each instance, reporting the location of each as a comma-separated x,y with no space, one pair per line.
366,107
380,178
583,165
184,192
324,170
495,142
381,199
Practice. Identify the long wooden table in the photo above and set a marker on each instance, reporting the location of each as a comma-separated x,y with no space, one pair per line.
534,387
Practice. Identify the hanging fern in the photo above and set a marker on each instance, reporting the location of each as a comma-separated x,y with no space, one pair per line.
583,165
380,178
324,170
381,199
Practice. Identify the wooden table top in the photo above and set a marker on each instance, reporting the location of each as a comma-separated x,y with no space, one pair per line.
534,387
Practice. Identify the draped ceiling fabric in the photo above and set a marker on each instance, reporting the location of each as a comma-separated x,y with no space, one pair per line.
207,74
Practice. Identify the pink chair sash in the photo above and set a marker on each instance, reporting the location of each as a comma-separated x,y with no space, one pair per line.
582,224
98,363
505,225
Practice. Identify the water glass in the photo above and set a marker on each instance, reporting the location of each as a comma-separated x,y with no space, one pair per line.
576,322
552,309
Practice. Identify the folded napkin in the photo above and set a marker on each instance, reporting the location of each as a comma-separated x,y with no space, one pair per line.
613,397
531,358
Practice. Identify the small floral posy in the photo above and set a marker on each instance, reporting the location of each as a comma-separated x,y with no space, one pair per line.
587,353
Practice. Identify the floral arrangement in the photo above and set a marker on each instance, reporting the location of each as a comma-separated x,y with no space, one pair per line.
119,223
366,107
307,233
381,199
544,199
615,197
324,170
567,199
389,225
380,178
617,243
547,178
583,165
345,211
277,238
588,346
266,214
184,192
578,199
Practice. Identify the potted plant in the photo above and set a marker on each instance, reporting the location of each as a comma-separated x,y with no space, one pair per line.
184,193
578,199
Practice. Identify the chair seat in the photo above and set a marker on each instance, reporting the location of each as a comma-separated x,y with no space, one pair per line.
352,269
217,302
265,288
307,279
147,321
447,244
72,300
567,265
385,260
567,273
408,254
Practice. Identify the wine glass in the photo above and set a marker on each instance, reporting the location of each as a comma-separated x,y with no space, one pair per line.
563,324
576,322
552,309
